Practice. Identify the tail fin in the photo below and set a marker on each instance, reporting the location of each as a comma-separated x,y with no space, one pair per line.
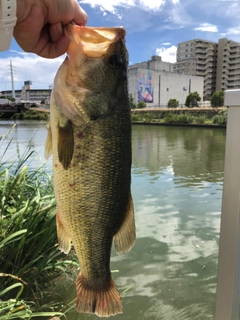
103,303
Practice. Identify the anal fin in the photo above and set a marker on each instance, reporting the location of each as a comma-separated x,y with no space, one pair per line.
64,240
125,238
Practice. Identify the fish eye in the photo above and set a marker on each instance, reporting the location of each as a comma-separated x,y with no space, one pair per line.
115,61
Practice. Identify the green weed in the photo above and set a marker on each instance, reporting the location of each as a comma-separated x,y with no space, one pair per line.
29,254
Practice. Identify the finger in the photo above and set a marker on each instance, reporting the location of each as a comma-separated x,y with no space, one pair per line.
55,49
56,32
80,16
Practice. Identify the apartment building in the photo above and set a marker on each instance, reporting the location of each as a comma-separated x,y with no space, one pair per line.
199,58
218,62
228,65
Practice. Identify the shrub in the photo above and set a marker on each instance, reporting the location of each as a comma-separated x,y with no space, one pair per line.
136,117
141,105
173,103
200,119
220,118
217,99
170,117
131,102
31,115
148,117
192,99
185,118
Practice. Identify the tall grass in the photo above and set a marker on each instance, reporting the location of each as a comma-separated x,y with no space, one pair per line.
29,256
17,308
182,118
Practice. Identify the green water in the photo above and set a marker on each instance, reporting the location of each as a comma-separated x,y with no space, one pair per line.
177,179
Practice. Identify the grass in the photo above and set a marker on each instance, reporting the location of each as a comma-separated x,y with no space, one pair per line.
29,256
17,308
183,118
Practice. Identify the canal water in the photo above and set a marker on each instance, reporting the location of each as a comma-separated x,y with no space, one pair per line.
177,180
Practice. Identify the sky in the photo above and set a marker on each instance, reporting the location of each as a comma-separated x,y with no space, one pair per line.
154,27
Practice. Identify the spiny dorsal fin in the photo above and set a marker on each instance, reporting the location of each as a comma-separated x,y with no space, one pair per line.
65,143
125,238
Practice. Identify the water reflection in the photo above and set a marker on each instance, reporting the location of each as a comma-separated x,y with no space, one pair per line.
183,151
23,137
177,179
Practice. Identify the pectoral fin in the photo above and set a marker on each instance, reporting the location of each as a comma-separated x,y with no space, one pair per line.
64,240
125,238
65,143
48,143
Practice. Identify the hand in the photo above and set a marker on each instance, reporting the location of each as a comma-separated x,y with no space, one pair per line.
39,25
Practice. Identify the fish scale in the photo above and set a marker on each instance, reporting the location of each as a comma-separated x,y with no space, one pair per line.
90,139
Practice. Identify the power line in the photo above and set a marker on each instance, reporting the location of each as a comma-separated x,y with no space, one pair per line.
12,81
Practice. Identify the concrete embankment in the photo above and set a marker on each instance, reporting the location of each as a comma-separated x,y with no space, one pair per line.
197,112
202,117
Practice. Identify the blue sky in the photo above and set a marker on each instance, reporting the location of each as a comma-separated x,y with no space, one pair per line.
153,27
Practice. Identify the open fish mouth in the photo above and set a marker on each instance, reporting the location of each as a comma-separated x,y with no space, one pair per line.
93,41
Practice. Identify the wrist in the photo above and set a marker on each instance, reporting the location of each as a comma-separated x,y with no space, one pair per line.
8,20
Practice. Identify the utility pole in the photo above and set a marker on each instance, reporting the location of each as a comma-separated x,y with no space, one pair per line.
11,72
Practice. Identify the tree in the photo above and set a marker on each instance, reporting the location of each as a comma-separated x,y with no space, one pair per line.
173,103
217,99
131,102
192,99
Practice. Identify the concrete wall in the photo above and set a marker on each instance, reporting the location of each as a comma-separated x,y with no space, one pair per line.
167,85
155,63
133,83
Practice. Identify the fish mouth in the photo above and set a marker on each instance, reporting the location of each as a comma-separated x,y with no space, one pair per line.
93,41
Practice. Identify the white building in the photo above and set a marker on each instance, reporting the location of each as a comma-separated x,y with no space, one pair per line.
29,94
155,83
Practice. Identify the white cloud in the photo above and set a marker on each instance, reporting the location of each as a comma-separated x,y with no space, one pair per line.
178,14
207,27
27,66
152,5
235,31
175,1
110,5
167,54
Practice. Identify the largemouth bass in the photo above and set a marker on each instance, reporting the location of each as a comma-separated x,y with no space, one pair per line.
89,136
